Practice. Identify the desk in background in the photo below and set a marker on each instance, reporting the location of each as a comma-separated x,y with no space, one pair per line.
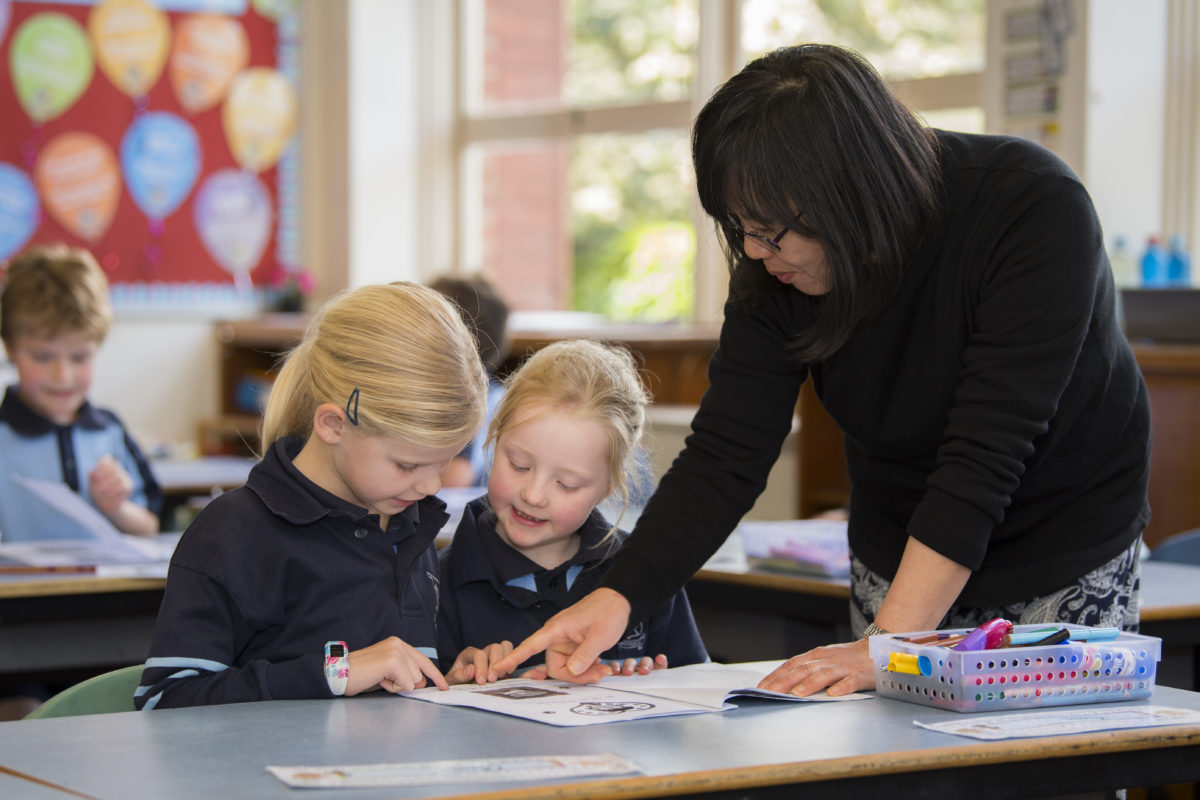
867,748
183,479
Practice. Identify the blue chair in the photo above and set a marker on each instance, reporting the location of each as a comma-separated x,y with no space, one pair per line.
103,694
1181,548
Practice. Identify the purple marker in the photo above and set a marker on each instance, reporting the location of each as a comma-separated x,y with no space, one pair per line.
987,636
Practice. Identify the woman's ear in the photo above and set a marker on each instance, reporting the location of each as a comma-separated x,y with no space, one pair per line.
329,423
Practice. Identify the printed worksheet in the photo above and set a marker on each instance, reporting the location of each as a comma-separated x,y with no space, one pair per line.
694,689
1062,721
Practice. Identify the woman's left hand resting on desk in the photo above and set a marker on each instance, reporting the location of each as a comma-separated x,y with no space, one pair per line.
111,487
392,665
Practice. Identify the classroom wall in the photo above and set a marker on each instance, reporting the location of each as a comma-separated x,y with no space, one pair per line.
160,376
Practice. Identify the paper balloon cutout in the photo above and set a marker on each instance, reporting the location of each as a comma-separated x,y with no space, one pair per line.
132,39
18,210
77,176
209,50
233,214
259,116
160,158
51,64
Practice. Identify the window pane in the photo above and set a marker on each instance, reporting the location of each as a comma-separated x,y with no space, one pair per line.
537,55
633,242
603,225
967,120
902,38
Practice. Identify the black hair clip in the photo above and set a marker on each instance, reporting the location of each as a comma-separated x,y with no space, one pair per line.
352,408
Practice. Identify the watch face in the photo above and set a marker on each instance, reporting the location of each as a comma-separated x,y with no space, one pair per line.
337,650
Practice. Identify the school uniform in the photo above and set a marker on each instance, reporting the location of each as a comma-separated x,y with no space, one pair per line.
269,572
492,592
32,446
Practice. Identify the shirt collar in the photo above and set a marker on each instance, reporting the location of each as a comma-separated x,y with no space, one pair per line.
17,414
509,563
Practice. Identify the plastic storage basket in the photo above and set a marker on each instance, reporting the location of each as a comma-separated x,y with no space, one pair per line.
1017,677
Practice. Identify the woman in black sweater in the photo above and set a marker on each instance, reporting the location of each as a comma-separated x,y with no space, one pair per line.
950,297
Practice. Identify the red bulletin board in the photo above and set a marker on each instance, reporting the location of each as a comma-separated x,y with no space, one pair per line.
135,248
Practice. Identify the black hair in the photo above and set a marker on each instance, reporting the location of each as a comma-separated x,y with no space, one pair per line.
485,311
811,138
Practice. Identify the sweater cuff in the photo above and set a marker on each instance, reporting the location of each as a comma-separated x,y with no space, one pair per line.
636,582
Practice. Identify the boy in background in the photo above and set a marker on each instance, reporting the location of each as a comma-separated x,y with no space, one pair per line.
54,315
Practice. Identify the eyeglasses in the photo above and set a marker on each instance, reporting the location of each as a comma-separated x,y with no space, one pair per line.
769,241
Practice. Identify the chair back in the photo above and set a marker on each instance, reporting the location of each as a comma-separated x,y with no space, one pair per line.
1181,548
103,694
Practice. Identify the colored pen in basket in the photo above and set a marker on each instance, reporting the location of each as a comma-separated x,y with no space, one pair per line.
1057,637
987,636
1078,633
928,638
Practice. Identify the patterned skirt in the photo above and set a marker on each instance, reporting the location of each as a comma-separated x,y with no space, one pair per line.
1108,596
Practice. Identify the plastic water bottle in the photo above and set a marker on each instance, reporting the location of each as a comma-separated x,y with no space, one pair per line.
1154,264
1179,263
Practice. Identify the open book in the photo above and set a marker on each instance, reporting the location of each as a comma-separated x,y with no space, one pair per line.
694,689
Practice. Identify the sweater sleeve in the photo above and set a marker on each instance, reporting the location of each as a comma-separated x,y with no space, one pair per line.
737,433
192,653
1033,303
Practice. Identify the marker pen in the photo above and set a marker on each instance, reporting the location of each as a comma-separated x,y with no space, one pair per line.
987,636
910,664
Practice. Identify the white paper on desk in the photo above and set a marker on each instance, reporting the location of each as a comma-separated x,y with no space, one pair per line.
1062,721
694,689
469,770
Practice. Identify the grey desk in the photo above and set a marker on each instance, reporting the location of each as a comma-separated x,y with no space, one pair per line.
762,749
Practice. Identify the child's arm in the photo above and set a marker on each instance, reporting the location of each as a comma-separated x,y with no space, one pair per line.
111,487
475,664
392,665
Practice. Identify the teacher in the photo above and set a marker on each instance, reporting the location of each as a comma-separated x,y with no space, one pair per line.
950,298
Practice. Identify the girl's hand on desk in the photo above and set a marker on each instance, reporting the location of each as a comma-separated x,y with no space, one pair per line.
392,665
476,664
842,668
642,666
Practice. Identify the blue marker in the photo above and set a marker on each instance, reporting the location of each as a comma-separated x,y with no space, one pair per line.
1077,634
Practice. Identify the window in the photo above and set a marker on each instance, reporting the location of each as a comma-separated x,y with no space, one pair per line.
575,188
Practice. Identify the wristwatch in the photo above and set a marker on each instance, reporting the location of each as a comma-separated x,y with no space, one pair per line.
337,667
875,630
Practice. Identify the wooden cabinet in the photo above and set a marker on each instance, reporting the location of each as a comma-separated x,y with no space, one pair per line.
1172,375
674,360
250,353
674,363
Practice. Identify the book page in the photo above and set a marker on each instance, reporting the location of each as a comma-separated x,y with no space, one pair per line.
694,689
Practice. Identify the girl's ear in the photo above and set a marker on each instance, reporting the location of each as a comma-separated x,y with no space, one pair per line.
329,423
